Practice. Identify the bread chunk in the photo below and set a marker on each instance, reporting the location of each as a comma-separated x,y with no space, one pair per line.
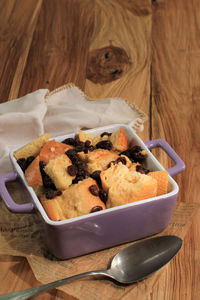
115,172
53,208
53,149
129,163
57,171
162,180
125,186
75,201
32,173
84,136
78,199
128,191
119,140
33,148
99,159
132,166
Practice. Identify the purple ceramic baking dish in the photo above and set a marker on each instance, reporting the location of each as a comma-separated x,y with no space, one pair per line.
110,227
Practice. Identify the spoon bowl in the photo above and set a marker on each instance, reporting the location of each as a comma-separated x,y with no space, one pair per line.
131,264
143,258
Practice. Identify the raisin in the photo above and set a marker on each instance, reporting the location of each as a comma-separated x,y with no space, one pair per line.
103,195
104,145
50,194
96,175
138,157
87,146
79,148
22,163
42,164
47,181
122,160
134,154
72,170
76,160
29,160
127,153
105,133
136,148
81,165
96,208
113,162
71,153
87,143
69,141
78,178
58,193
87,174
91,148
82,172
77,141
79,145
85,150
142,169
94,190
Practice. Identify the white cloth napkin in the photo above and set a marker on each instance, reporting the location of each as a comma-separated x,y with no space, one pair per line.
64,110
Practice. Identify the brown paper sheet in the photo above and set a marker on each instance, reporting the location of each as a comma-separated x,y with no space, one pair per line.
21,235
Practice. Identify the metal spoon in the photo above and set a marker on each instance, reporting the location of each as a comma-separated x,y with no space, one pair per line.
130,265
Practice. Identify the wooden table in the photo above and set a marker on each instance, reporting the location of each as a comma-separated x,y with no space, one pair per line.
152,60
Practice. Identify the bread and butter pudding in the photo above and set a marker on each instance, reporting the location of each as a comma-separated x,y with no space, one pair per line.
88,173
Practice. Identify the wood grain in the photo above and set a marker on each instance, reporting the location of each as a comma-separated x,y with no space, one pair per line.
17,275
134,36
18,20
175,117
59,49
46,43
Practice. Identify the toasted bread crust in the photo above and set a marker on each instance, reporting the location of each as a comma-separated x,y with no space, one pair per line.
32,173
162,180
53,149
119,140
33,148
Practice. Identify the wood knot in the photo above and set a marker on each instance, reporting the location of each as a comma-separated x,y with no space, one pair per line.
107,64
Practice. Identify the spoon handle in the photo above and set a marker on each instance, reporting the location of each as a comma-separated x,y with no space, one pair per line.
26,294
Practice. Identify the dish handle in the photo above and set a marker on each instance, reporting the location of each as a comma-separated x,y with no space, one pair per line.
9,202
179,164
